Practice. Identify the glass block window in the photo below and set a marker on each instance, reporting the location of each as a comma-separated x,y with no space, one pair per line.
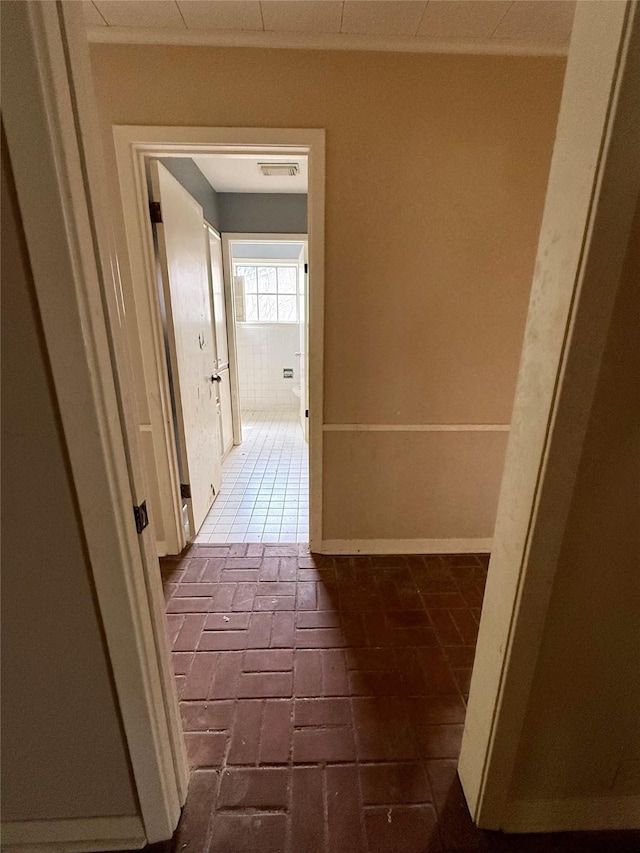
270,292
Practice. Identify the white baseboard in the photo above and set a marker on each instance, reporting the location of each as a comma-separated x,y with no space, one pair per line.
74,834
566,815
405,546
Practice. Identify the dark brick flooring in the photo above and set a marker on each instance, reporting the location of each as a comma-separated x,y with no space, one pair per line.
323,702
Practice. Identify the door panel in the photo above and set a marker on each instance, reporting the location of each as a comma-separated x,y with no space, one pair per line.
189,334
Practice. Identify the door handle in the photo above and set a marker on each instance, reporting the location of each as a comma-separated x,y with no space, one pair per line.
215,378
298,354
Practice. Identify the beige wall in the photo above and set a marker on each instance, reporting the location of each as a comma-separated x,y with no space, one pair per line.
63,751
413,481
436,175
581,735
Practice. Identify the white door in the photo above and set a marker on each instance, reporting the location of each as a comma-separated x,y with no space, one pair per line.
221,340
303,301
183,257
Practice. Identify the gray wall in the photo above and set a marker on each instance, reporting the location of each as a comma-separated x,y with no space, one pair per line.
187,173
241,213
63,751
260,213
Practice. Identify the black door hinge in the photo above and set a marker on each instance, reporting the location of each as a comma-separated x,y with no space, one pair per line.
306,413
155,211
185,490
141,516
306,267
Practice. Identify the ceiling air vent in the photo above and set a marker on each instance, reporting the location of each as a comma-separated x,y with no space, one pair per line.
279,169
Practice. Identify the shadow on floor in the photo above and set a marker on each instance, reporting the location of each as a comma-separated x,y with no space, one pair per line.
323,702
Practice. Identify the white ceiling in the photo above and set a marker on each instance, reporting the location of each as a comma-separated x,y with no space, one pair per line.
239,173
486,26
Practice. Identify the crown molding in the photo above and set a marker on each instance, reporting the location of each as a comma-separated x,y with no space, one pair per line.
319,41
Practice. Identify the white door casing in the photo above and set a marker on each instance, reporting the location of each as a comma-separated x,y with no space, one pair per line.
190,343
304,352
593,187
216,277
226,414
133,145
303,319
56,154
217,291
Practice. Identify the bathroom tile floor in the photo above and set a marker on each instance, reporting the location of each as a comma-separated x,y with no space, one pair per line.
323,702
265,484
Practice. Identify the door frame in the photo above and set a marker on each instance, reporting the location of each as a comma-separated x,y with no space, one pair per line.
135,143
592,191
229,237
209,232
55,149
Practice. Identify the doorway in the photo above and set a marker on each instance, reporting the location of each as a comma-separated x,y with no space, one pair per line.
265,472
269,466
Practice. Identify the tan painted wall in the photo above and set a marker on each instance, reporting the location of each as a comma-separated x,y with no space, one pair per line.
436,175
581,736
414,482
63,751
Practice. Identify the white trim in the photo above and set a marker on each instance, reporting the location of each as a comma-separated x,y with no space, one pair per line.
592,190
405,546
229,237
278,263
321,41
262,323
263,262
263,237
159,422
566,815
83,833
232,341
132,145
416,427
57,161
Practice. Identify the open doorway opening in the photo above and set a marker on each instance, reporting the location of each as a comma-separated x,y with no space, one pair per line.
235,336
223,284
265,472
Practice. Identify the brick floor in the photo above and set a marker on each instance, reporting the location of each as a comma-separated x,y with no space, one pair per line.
323,701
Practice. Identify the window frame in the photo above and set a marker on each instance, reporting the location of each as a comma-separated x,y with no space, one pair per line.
269,262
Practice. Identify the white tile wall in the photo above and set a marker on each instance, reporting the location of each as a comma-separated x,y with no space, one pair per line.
265,484
264,349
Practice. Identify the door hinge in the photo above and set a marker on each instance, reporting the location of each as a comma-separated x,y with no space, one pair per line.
306,413
306,267
155,211
185,490
141,516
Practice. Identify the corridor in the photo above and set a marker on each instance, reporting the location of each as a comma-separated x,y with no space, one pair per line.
265,484
323,701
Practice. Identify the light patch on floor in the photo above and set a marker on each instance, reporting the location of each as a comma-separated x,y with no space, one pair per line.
265,484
